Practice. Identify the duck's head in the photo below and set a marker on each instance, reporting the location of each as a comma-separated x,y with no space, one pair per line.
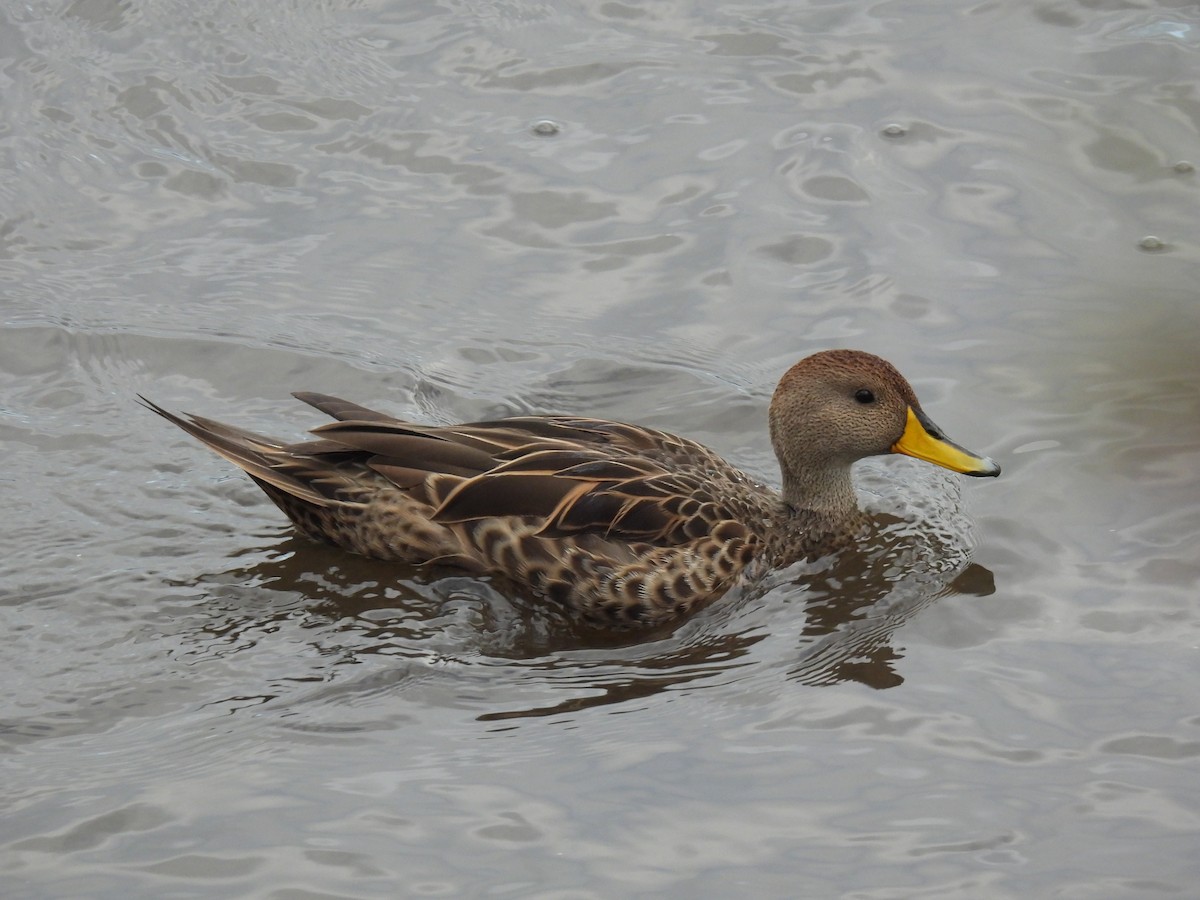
839,406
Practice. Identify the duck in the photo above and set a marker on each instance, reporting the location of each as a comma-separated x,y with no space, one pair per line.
624,525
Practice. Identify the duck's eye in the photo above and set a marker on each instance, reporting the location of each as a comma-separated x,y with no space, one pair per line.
864,396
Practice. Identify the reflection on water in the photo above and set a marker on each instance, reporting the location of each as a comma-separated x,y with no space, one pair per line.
844,612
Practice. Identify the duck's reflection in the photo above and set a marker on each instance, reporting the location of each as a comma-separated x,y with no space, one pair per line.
851,622
354,609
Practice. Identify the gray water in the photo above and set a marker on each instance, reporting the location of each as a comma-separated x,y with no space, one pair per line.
215,204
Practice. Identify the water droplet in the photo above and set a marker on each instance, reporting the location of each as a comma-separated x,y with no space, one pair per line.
1151,244
894,130
545,128
1183,167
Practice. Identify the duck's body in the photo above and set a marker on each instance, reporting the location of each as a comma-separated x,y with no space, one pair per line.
622,523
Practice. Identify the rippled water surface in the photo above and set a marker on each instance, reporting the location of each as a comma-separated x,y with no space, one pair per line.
647,211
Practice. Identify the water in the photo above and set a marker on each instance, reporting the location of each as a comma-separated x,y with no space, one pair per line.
216,204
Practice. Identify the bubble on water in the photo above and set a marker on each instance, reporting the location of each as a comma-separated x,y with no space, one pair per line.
1151,244
894,130
1183,167
545,128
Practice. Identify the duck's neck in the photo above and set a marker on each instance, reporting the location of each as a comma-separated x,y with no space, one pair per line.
828,492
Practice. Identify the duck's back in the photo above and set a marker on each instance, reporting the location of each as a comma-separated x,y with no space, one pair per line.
624,523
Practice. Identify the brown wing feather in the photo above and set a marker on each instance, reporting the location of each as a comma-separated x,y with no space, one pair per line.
492,496
340,409
576,476
571,476
399,445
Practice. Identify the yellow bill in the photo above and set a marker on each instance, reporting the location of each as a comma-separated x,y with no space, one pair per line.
924,440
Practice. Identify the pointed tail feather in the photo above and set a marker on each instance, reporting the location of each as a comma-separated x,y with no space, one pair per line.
261,458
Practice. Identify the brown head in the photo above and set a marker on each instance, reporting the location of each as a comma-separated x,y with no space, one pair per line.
839,406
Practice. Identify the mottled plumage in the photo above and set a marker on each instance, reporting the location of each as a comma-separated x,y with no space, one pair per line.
625,524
